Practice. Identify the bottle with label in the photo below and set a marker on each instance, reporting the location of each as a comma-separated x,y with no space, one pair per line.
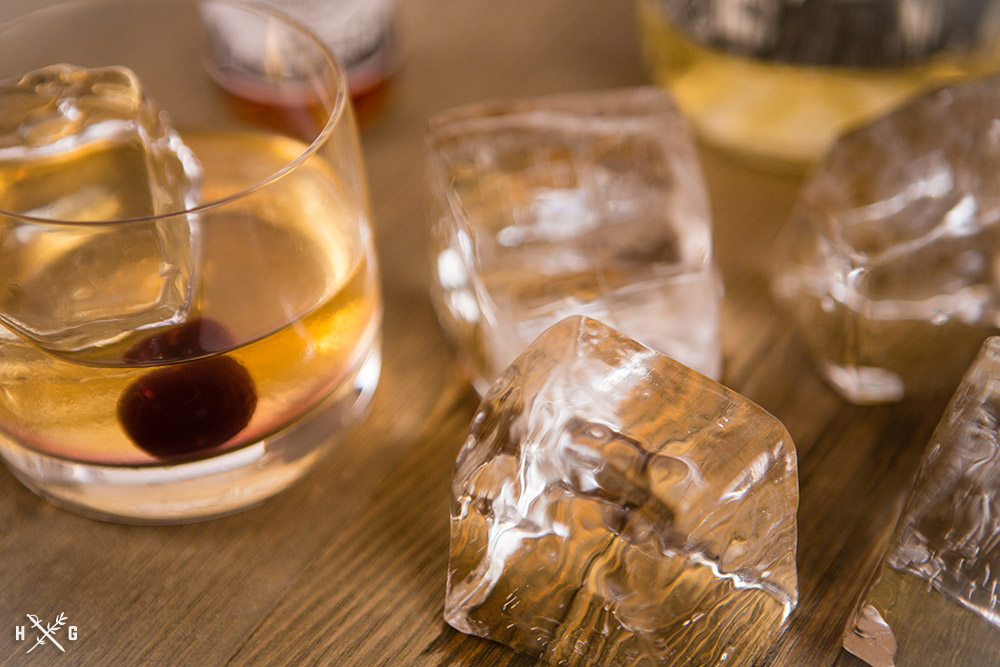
360,33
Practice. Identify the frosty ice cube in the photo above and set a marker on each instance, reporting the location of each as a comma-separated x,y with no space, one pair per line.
83,147
587,204
611,506
933,600
890,263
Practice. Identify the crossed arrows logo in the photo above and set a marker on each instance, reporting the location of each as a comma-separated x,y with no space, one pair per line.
48,632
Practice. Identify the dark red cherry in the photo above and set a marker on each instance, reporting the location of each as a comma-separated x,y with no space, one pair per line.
186,409
194,338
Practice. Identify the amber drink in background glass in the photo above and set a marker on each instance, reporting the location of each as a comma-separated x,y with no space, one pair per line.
190,309
778,80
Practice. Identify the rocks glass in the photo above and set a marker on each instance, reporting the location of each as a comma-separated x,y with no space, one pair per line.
190,307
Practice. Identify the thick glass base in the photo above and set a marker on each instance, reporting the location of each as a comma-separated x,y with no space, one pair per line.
199,490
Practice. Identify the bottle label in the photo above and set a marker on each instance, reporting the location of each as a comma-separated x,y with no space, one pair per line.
358,32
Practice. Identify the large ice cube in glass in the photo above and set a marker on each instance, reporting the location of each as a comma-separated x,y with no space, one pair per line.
588,204
934,599
80,147
612,506
890,263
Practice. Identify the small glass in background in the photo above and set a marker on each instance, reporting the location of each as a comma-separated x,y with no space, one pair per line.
778,81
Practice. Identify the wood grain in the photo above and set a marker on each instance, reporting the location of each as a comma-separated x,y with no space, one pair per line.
348,567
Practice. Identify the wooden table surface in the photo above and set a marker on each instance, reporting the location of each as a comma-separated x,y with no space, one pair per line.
348,567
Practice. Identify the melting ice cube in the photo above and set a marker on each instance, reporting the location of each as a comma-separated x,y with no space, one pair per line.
586,204
890,264
933,600
78,148
612,506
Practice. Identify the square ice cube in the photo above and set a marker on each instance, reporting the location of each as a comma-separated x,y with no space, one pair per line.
589,204
933,600
889,265
612,506
78,148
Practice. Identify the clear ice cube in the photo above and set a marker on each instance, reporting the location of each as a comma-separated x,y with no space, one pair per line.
612,506
890,263
933,600
78,148
589,204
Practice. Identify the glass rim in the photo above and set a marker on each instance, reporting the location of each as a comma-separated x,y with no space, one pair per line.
334,116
